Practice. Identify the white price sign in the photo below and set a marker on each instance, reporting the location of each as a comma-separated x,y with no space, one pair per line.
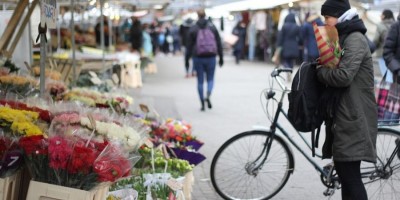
48,10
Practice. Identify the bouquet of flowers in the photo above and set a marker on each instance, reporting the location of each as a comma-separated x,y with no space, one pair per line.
152,173
75,154
56,89
51,74
177,133
20,85
43,114
328,45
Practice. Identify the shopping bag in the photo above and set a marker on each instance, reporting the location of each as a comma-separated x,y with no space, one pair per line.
328,45
381,95
231,39
392,105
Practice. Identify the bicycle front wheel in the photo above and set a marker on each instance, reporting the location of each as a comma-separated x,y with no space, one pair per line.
234,174
383,181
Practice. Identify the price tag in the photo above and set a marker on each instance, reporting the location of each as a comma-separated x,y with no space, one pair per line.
174,184
144,108
92,74
49,13
95,80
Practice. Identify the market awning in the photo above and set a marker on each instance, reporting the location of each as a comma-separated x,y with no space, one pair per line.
252,5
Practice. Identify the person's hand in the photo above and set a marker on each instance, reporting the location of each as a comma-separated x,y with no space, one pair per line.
221,62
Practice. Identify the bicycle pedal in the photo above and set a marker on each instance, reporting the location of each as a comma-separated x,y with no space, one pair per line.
329,192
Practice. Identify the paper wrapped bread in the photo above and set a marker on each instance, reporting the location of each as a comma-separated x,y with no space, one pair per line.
328,45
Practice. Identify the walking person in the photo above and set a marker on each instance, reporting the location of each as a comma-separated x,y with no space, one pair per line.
351,123
379,41
238,47
204,43
310,51
391,49
136,35
184,32
289,41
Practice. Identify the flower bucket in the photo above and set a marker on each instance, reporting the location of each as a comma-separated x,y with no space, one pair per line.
9,186
39,190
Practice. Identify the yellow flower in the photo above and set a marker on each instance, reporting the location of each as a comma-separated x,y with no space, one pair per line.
26,128
11,115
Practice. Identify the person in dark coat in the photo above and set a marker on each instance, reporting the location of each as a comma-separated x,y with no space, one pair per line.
391,49
379,41
289,41
136,35
238,47
310,51
184,32
352,129
204,64
98,30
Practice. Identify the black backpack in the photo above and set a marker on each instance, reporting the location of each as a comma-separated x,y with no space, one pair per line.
304,101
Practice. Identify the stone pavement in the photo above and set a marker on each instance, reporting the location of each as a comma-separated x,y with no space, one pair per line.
236,108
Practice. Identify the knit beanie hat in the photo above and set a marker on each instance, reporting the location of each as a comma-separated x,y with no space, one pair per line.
335,8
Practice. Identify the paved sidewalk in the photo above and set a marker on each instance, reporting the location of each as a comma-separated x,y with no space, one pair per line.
236,108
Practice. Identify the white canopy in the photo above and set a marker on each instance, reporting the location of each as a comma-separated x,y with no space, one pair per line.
252,4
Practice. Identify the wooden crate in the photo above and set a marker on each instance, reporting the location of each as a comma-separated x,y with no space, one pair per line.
44,191
9,187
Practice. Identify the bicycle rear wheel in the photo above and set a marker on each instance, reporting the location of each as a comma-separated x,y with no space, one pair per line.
230,174
384,183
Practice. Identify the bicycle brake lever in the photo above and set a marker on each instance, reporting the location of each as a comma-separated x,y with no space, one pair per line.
270,94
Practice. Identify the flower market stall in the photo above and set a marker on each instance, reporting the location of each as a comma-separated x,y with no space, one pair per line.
87,144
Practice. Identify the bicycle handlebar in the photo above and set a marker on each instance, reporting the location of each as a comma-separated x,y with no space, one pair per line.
277,71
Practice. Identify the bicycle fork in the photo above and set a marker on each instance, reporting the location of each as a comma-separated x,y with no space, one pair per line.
253,167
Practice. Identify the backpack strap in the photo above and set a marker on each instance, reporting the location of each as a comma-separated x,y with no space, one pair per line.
314,139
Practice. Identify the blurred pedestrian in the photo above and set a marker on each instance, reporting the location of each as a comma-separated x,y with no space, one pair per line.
391,49
310,51
176,43
125,29
238,47
204,43
136,35
289,43
105,30
184,32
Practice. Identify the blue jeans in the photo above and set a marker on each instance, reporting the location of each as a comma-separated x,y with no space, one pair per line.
204,66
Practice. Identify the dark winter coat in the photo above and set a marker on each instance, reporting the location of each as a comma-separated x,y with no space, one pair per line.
351,135
136,36
202,23
289,38
308,37
391,50
241,33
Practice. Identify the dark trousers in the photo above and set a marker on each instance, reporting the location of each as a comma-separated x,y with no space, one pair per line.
350,178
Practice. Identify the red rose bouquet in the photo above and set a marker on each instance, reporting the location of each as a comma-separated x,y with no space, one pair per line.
36,156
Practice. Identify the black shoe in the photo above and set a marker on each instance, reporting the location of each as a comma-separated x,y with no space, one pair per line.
202,106
208,103
398,144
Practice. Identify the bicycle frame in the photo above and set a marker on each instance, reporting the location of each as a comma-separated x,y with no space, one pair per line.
275,124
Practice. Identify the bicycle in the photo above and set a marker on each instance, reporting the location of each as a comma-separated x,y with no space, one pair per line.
259,162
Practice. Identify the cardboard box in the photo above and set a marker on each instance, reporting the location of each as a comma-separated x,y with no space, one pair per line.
9,187
44,191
